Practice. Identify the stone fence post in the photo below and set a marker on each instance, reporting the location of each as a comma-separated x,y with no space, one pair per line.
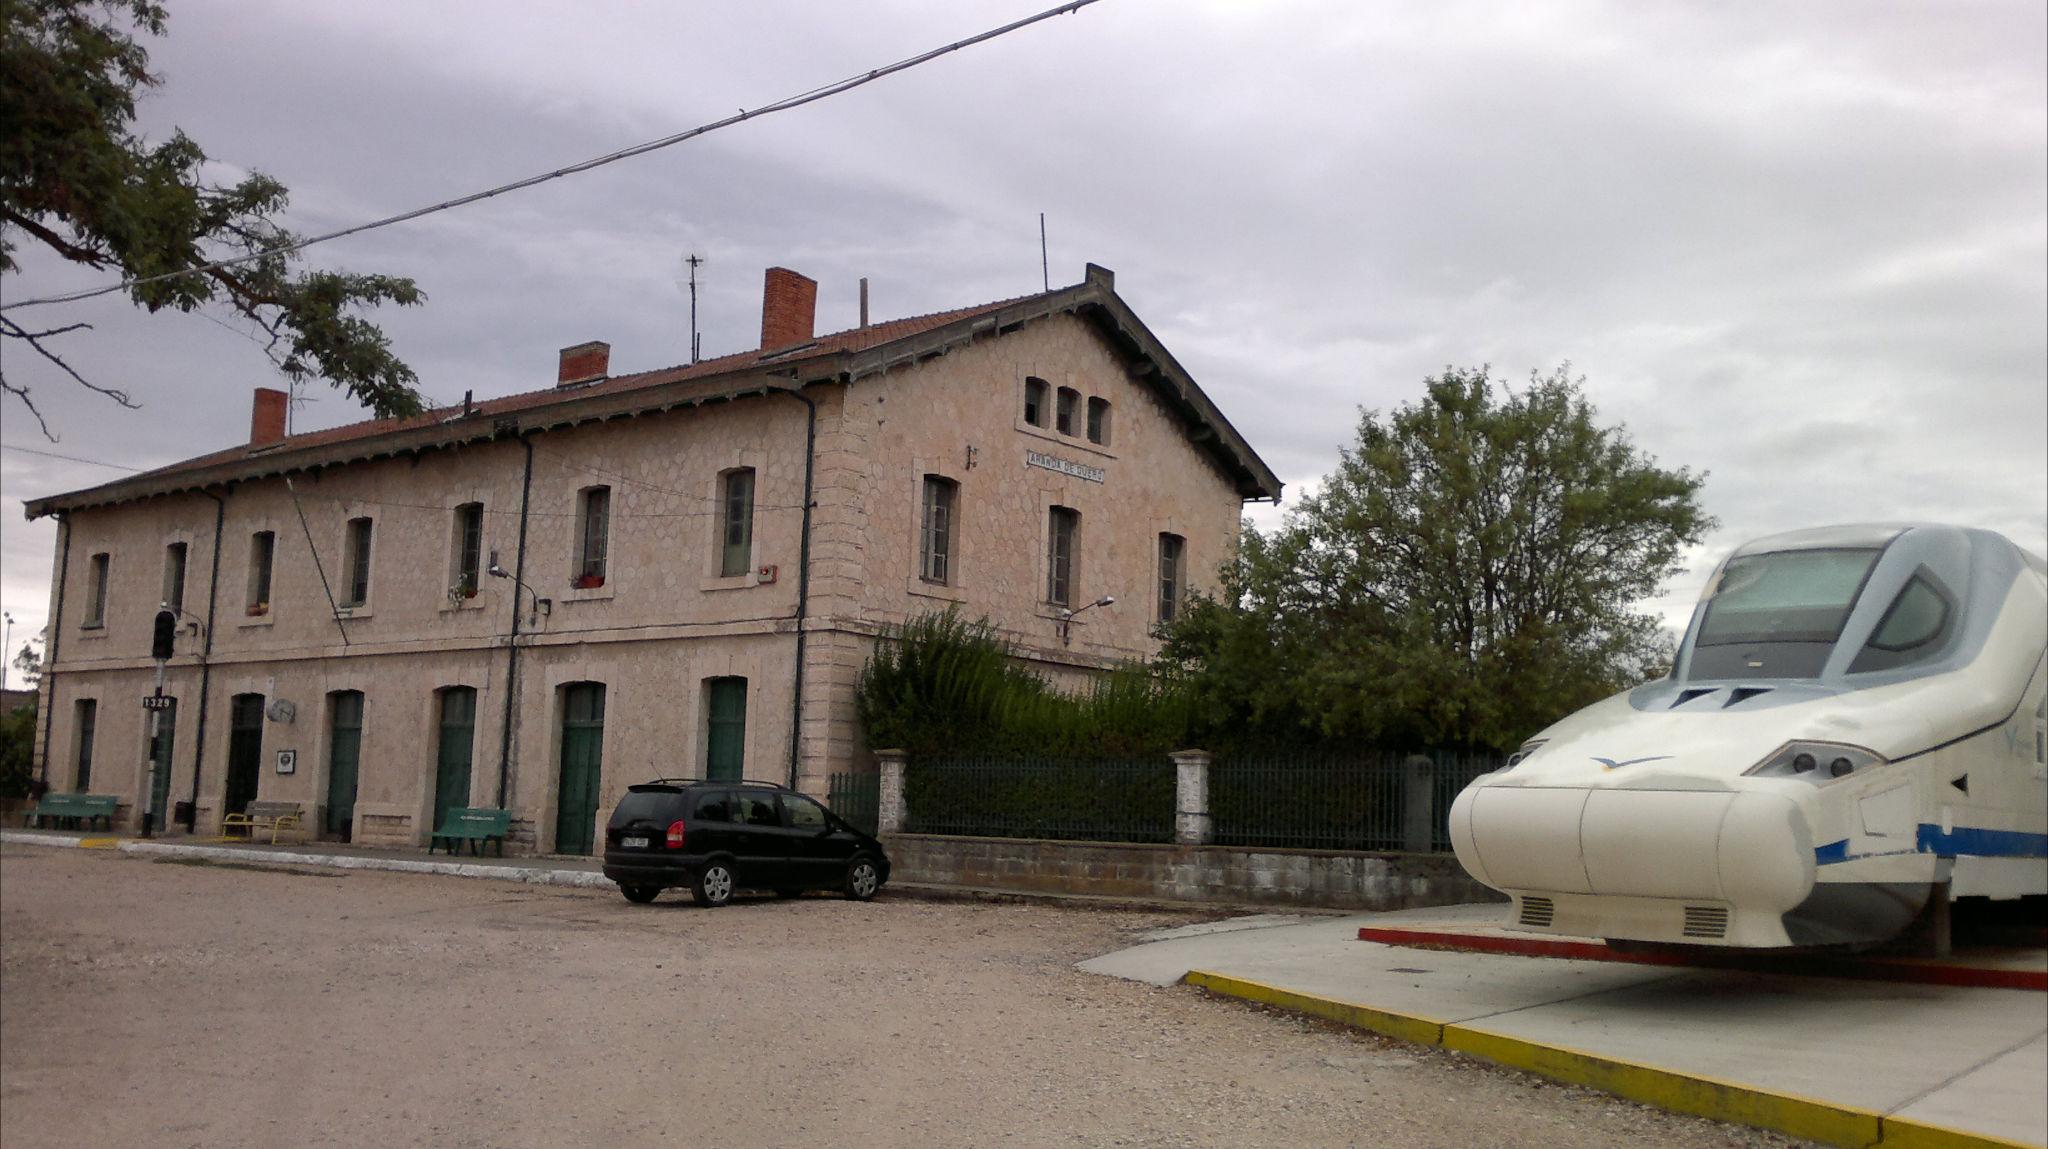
893,813
1192,825
1418,803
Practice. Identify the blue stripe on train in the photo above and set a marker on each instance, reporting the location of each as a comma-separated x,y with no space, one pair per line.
1963,840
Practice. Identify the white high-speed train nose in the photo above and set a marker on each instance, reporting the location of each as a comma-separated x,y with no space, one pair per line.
1710,867
1855,722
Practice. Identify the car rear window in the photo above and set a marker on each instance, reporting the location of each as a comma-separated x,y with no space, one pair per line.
715,806
647,804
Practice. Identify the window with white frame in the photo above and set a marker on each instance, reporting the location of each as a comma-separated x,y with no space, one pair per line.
262,552
1062,537
355,562
935,548
736,522
467,545
1172,548
96,590
174,576
593,535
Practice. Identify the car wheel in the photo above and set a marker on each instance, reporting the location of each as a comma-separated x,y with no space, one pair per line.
640,895
714,884
862,879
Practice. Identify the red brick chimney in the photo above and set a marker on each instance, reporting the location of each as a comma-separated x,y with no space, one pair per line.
584,363
266,418
789,305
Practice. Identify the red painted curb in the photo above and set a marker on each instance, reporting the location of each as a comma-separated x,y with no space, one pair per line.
1923,972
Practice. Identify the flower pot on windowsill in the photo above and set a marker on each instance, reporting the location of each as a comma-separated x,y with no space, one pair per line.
259,610
588,582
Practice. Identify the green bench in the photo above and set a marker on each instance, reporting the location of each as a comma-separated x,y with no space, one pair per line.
473,824
71,808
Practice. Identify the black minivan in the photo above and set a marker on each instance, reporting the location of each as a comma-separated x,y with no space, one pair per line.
719,837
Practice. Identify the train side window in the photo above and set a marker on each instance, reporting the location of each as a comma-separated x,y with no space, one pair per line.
1913,627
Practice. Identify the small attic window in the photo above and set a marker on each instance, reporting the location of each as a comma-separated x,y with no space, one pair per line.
1034,400
1098,420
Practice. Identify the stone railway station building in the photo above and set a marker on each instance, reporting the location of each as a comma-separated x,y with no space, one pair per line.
535,601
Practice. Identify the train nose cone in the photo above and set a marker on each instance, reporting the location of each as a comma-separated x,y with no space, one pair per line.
1747,848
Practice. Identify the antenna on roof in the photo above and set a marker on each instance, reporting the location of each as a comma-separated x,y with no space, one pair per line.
1044,264
696,340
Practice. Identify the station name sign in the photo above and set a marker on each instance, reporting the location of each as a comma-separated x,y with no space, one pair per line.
1063,466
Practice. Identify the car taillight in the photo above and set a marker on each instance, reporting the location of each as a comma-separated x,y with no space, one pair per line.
675,835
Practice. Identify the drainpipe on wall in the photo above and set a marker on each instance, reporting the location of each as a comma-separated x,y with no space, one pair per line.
220,514
512,647
49,678
803,579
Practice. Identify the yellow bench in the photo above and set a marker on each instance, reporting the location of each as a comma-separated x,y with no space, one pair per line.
273,816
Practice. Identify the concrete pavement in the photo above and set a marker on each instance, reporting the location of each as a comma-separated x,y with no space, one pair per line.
1845,1062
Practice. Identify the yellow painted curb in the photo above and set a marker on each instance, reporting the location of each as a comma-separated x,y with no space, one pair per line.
1900,1133
1421,1030
98,843
1805,1117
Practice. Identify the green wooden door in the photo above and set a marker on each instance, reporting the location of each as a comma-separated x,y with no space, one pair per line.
344,755
725,753
160,764
582,766
245,752
451,765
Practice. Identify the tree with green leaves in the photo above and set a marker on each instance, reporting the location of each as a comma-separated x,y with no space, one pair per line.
1468,574
77,179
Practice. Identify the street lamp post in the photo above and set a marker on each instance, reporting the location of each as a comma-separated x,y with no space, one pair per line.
540,605
6,651
1067,616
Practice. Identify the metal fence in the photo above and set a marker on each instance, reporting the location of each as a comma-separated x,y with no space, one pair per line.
1075,800
857,798
1327,801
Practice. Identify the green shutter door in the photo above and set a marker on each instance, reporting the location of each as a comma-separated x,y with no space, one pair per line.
582,765
160,764
451,768
725,755
344,753
245,752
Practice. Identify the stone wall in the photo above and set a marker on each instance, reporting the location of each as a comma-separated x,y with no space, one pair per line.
1324,879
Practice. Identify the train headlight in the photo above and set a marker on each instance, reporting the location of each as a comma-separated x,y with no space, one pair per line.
1815,762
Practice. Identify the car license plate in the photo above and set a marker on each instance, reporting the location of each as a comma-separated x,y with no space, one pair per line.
633,843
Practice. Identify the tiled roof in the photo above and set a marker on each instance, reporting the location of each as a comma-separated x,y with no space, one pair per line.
856,339
856,352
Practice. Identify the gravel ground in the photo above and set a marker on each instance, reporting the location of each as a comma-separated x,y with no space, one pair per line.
167,1003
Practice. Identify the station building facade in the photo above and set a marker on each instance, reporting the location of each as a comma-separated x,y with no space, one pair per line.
534,601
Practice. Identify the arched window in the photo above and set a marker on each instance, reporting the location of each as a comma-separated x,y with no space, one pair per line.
1035,393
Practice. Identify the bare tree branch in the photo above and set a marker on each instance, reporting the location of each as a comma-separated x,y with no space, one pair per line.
13,330
22,394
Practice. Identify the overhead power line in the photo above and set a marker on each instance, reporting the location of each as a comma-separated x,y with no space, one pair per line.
70,458
782,105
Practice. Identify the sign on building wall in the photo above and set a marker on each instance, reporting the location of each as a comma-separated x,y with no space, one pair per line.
1063,466
287,761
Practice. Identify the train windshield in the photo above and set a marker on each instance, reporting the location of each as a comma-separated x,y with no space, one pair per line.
1778,614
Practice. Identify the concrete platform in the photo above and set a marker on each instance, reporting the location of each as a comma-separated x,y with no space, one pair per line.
1840,1061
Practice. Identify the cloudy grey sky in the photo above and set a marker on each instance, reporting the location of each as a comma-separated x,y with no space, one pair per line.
1803,248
